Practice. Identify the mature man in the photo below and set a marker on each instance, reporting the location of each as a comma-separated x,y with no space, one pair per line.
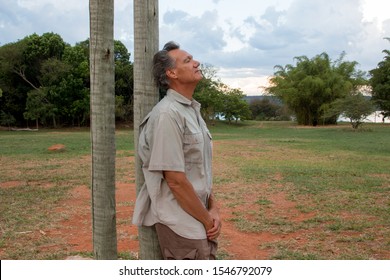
175,149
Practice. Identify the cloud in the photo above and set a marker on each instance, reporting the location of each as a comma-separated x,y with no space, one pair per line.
307,27
195,33
172,17
386,27
275,37
124,24
229,34
23,18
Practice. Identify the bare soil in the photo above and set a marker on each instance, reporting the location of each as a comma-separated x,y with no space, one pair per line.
73,231
70,233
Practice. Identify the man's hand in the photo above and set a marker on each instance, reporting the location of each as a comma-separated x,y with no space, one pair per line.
215,231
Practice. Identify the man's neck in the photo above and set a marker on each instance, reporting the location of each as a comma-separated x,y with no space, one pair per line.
187,91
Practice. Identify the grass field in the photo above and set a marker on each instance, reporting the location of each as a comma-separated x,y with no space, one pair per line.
320,193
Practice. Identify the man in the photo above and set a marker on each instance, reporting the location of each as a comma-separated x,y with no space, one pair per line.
175,150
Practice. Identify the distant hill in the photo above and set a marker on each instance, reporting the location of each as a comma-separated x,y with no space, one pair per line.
252,98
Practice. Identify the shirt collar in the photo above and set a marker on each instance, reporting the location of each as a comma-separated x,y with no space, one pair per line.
180,98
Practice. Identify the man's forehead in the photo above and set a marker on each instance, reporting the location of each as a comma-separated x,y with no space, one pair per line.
179,54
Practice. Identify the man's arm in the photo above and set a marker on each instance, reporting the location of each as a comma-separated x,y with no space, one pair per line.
185,194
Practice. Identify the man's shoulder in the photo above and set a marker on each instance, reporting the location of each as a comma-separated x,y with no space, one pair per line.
169,106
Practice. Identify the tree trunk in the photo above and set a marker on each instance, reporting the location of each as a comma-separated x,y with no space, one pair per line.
103,128
145,97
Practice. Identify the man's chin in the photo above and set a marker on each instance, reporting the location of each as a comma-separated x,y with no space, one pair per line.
200,75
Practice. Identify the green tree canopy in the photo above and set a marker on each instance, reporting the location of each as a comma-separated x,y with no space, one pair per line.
38,68
380,83
38,106
219,99
266,109
234,105
123,82
208,94
355,107
311,83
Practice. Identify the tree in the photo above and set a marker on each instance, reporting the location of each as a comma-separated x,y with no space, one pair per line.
123,82
264,109
146,95
208,93
36,50
218,99
33,63
311,83
356,107
234,106
38,106
6,119
14,88
47,63
103,128
380,83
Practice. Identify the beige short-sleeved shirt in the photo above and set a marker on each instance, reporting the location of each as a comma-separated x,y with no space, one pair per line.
173,137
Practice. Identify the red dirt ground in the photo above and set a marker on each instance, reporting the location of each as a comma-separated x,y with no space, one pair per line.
70,233
75,228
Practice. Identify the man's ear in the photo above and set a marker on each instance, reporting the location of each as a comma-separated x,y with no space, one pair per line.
171,73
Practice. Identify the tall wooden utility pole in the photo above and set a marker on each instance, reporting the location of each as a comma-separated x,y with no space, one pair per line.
102,76
145,97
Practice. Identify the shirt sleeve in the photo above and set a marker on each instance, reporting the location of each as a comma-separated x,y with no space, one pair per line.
167,148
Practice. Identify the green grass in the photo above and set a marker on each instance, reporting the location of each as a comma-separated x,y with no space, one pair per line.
340,175
25,210
31,144
43,178
265,173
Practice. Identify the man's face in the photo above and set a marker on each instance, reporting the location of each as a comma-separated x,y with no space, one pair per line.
186,68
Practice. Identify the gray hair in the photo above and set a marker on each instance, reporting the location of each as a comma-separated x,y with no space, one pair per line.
161,63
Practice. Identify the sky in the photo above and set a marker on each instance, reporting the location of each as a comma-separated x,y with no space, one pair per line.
242,39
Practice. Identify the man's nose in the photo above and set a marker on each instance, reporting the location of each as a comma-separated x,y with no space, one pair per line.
197,63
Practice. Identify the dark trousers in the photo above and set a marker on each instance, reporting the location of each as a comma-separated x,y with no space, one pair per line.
176,247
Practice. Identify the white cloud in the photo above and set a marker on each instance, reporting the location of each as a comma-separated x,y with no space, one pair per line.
375,10
200,33
22,18
230,34
249,80
59,6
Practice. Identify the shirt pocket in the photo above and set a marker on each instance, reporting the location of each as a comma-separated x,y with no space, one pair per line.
193,147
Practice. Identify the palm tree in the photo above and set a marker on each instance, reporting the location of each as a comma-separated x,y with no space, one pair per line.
145,97
103,128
